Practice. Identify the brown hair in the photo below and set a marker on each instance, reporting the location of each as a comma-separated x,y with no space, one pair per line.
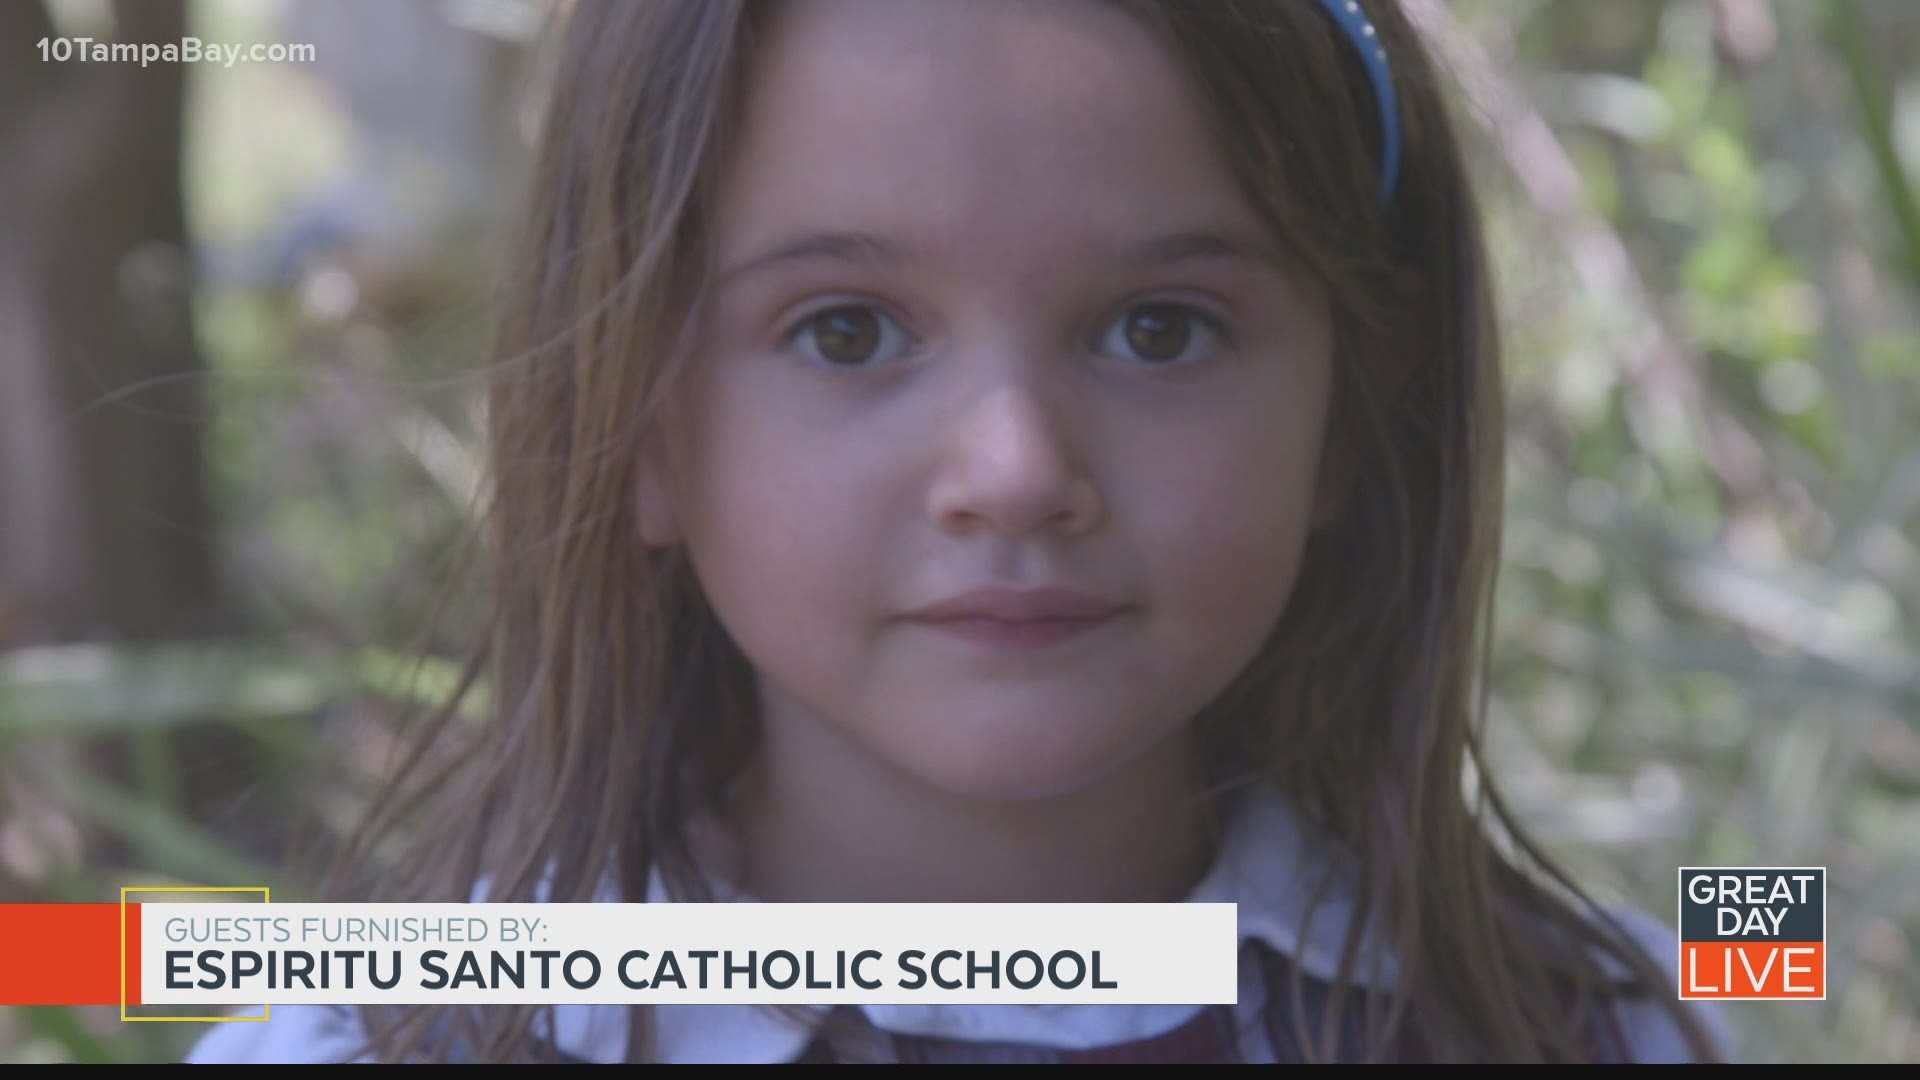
1363,706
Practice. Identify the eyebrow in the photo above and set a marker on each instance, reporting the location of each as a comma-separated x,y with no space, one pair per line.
849,247
862,248
1221,244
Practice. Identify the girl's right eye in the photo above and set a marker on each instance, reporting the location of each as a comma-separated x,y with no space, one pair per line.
850,336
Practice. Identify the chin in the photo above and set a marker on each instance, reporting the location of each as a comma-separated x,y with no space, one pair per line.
1006,770
1010,788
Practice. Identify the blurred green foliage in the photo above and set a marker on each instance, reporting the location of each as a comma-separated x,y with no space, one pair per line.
1704,224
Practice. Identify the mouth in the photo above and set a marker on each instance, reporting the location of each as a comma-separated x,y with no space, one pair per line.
1009,604
1018,633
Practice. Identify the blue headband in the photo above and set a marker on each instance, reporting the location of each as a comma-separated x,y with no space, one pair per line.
1351,19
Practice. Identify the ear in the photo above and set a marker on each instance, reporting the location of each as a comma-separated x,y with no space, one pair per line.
1387,361
653,509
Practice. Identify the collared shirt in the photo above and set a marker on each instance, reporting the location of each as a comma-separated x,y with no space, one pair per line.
1268,865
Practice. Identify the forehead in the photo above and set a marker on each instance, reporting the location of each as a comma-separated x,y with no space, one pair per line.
988,130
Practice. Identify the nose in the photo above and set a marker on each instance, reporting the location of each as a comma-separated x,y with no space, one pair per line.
1011,463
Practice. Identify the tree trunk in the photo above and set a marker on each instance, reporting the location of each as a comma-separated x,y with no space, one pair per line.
106,527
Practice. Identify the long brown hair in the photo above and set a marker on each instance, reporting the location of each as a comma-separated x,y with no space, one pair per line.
1363,707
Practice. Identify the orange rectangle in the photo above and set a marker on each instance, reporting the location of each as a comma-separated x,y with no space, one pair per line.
1784,970
66,954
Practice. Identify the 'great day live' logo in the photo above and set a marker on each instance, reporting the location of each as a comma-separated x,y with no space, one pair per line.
1753,932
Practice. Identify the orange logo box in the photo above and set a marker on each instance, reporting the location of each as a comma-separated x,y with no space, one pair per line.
1753,969
1753,932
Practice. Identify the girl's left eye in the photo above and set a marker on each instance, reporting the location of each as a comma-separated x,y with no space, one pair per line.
850,336
1163,333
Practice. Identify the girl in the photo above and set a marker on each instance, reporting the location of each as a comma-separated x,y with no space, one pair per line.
1003,451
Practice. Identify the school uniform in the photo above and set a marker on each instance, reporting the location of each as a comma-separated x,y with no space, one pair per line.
1259,868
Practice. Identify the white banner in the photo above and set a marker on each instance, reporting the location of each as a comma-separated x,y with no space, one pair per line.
228,954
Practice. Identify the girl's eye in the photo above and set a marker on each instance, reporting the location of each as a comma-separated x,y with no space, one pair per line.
851,335
1161,332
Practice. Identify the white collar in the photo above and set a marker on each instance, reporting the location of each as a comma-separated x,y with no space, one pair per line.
1269,865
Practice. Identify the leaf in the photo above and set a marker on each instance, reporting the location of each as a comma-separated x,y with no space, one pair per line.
168,842
92,689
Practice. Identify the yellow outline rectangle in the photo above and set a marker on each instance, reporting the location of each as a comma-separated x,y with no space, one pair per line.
266,897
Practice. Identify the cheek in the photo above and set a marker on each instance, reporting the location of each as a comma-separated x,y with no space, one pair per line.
1230,518
775,529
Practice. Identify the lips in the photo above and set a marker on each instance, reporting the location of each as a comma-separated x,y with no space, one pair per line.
1020,606
1011,605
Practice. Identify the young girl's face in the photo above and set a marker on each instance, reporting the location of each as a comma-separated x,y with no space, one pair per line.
989,310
